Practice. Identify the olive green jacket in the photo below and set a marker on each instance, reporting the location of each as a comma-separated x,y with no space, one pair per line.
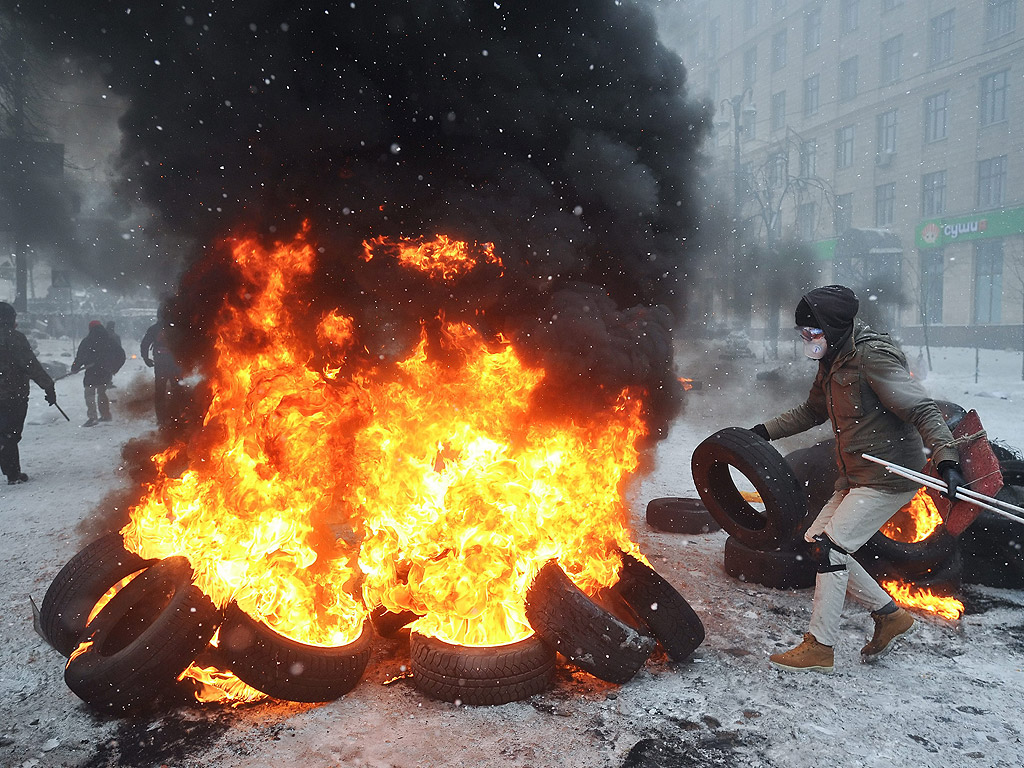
875,407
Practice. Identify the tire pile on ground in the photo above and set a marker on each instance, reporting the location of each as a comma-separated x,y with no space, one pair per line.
137,645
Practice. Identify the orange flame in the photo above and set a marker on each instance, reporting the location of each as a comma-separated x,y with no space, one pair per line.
441,258
687,383
915,521
311,496
924,599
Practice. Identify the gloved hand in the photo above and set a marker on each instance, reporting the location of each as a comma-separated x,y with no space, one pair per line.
148,362
952,476
51,396
761,431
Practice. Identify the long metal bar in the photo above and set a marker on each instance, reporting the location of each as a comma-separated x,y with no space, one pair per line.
931,482
967,494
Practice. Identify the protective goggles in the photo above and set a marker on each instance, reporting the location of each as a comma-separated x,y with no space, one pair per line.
810,334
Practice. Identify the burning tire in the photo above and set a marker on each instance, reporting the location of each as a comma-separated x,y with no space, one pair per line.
675,515
79,585
913,560
585,633
789,568
489,675
993,546
753,457
141,640
661,608
388,623
287,669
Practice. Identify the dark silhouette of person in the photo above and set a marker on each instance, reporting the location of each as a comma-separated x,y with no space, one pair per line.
18,365
101,357
157,354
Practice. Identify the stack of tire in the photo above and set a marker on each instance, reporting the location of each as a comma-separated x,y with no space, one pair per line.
993,546
129,654
764,546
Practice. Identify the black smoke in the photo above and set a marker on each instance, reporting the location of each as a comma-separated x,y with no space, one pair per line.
559,131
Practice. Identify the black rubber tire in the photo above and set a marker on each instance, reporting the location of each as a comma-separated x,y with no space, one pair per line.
790,568
952,413
145,637
80,584
915,559
479,676
993,546
781,493
676,515
942,579
661,608
287,669
1005,453
586,634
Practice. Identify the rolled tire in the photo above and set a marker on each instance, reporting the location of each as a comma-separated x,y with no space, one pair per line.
676,515
80,584
781,493
479,676
952,413
944,579
287,669
388,623
586,634
915,559
776,568
141,640
674,624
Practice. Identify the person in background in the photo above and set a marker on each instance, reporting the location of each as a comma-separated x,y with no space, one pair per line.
864,387
156,353
101,357
18,365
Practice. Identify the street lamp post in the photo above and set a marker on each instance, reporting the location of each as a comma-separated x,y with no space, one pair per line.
739,278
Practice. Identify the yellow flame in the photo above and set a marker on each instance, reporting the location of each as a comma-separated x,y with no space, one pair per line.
924,599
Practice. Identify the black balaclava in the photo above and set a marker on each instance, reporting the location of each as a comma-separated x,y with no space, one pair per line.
8,315
832,309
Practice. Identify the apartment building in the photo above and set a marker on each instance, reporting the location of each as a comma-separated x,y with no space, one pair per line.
910,116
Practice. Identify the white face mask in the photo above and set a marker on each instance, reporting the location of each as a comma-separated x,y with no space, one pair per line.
815,345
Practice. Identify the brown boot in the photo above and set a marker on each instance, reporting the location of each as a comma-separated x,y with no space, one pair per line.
887,629
809,655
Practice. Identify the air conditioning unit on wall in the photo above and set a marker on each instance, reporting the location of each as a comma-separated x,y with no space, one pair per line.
884,158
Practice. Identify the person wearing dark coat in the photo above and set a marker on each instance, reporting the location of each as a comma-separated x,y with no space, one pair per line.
156,353
864,388
18,365
101,357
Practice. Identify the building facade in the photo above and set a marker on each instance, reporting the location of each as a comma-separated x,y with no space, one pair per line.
908,116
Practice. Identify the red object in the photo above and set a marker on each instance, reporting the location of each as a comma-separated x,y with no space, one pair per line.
94,323
981,471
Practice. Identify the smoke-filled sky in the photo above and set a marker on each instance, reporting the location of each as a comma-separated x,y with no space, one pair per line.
560,131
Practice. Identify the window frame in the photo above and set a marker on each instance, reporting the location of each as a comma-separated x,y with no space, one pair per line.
891,61
940,38
885,204
933,193
845,138
992,101
931,117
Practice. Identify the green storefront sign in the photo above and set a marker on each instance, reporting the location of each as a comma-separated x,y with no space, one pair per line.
936,233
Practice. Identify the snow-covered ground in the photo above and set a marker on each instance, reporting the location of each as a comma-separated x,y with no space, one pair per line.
951,696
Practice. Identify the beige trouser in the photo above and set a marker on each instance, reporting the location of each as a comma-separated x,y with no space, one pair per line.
849,519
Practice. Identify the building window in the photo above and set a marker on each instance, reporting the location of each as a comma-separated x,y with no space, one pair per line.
778,111
889,5
892,59
849,15
933,193
714,35
848,78
886,123
933,264
885,204
777,169
750,13
992,182
844,212
940,39
988,281
808,159
779,50
1000,18
749,66
844,147
811,104
936,110
812,30
805,220
993,97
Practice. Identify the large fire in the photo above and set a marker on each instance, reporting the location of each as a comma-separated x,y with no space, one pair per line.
915,521
323,484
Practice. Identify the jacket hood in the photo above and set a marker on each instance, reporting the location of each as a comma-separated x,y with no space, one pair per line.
832,309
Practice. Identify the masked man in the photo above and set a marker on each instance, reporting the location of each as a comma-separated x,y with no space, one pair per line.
865,389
